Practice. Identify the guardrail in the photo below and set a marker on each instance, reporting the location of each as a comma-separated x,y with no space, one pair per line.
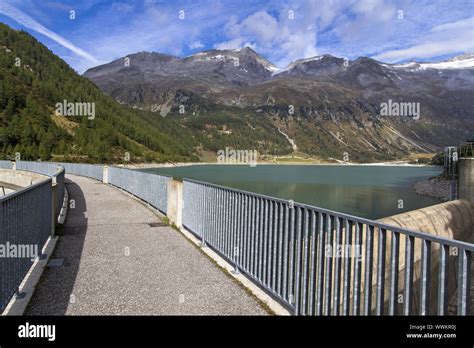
26,215
51,169
6,165
151,188
93,171
25,225
44,168
319,262
27,220
312,260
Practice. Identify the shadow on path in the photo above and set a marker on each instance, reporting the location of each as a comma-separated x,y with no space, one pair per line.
119,261
53,293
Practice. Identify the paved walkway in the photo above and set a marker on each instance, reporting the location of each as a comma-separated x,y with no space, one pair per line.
115,263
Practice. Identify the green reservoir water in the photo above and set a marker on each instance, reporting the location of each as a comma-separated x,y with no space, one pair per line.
367,191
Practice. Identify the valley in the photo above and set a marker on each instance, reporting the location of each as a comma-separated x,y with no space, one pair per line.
153,107
326,105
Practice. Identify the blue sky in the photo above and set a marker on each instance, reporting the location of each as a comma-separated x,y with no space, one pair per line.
104,30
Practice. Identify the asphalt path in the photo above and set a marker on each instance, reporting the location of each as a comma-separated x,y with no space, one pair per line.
115,263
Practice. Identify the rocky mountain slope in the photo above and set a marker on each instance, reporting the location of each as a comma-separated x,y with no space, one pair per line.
33,81
328,106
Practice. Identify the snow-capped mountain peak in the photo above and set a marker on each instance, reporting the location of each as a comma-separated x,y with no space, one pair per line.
305,60
459,62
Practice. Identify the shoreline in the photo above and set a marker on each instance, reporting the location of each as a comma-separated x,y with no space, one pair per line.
436,187
188,164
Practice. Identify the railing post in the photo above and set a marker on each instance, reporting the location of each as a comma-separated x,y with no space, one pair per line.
235,219
54,199
179,204
105,174
175,203
464,282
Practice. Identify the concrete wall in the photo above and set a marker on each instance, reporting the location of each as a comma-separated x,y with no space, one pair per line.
20,178
175,203
466,179
454,220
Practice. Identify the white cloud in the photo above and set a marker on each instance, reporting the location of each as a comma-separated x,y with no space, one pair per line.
280,39
195,45
426,50
376,8
154,28
372,20
30,23
463,24
444,39
283,39
344,28
122,7
259,28
231,44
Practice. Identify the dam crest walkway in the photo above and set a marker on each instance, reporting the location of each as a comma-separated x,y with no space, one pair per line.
115,256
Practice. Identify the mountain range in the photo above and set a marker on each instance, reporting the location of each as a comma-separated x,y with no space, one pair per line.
324,105
157,107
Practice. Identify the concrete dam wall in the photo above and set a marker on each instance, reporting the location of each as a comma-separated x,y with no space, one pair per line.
455,220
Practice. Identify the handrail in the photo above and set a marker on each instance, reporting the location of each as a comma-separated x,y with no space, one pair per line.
26,219
281,246
24,189
150,188
413,233
43,201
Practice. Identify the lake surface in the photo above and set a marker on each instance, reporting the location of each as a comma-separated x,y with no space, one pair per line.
367,191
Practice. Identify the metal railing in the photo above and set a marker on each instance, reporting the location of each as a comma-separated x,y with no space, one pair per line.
93,171
314,261
6,164
44,168
26,215
25,223
148,187
151,188
319,262
51,169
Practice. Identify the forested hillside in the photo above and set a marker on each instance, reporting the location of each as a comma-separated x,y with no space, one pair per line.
33,80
